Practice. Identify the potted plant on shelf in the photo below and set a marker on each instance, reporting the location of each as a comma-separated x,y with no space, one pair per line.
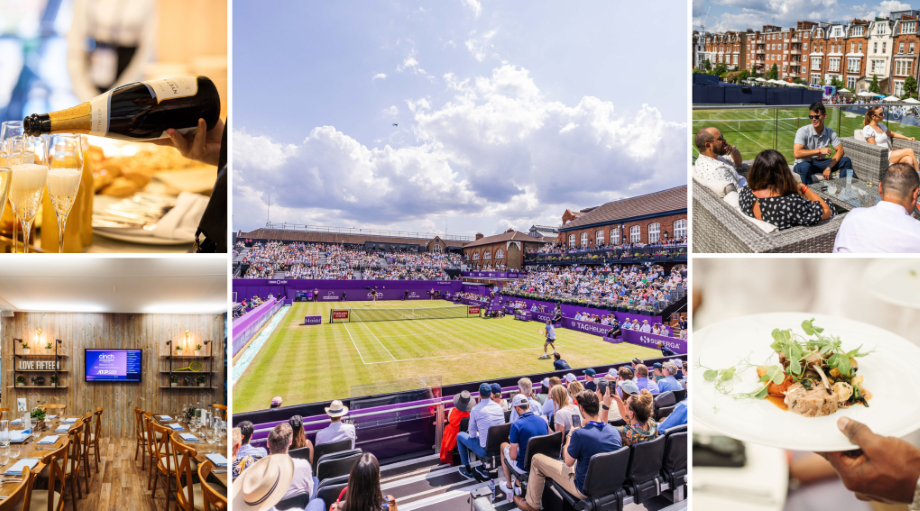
38,380
54,381
179,350
25,348
189,381
197,350
202,380
20,381
173,381
48,349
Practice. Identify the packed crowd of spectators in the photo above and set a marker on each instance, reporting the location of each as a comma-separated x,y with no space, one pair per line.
622,285
562,248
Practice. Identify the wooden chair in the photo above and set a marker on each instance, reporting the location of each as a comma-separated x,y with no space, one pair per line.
141,433
58,409
163,462
223,411
189,496
15,500
85,451
215,497
95,436
66,465
41,500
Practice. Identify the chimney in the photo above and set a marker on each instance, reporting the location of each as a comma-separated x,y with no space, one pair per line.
479,236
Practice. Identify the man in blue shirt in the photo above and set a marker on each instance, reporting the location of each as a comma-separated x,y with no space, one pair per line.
668,382
589,379
581,444
550,333
678,417
515,452
526,388
246,430
484,415
643,381
558,363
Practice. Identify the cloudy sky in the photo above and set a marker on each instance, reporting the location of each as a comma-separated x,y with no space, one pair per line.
721,15
508,112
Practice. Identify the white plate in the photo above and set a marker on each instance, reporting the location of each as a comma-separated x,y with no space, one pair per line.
143,240
894,409
890,280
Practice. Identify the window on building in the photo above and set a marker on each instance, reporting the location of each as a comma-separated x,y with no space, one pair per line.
860,47
635,234
816,79
499,254
816,63
785,46
852,65
884,47
902,67
834,65
898,87
900,47
436,248
911,48
598,238
475,256
805,46
852,46
487,255
654,232
874,47
584,239
571,240
614,236
851,82
680,229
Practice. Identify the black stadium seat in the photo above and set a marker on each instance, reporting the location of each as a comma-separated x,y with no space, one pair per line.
665,399
617,423
661,413
324,449
336,464
674,463
549,445
645,469
295,502
330,490
680,395
465,424
605,483
496,436
302,453
676,429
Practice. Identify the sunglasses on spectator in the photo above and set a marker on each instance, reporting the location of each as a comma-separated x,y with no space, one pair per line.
814,116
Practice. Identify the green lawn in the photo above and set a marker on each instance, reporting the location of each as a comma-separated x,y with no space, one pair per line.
753,130
306,364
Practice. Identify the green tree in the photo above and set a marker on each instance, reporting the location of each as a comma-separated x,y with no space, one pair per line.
873,87
835,82
744,75
773,73
801,81
910,87
707,65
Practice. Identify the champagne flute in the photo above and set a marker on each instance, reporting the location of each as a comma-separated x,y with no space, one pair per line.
8,130
64,178
29,162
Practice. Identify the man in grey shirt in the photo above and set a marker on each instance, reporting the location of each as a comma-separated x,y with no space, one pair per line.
550,333
812,148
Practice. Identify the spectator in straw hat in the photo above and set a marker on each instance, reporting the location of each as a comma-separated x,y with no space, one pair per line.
337,430
463,404
263,484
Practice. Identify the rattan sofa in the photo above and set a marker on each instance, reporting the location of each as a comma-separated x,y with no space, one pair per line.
870,160
717,227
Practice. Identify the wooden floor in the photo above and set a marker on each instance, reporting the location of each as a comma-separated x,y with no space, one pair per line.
121,482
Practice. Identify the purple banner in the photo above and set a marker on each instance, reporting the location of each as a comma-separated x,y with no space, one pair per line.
569,311
248,324
493,274
355,290
588,327
523,315
650,341
312,320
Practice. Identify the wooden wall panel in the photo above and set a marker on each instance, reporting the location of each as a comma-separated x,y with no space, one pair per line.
148,332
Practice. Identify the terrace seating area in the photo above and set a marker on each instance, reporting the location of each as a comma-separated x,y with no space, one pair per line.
634,253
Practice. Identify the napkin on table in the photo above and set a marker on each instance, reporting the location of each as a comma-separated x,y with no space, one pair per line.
49,440
16,470
182,220
217,459
18,437
177,427
188,437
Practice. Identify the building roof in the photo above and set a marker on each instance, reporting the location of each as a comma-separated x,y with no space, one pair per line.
509,235
329,237
648,205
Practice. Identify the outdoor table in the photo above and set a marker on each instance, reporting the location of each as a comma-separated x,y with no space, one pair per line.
202,448
862,194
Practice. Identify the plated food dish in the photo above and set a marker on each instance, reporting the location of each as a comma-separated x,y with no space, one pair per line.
784,379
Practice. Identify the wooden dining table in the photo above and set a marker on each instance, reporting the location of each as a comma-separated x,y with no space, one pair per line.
202,448
30,449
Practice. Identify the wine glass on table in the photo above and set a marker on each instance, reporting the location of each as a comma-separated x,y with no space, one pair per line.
29,163
4,441
64,178
8,130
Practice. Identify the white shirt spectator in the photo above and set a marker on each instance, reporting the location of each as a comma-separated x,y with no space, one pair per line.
484,415
535,407
303,479
646,328
885,227
718,169
335,432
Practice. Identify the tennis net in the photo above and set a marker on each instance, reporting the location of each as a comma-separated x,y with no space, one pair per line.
370,315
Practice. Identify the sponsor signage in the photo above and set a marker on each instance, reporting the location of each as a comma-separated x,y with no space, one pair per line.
494,274
473,310
651,341
315,320
342,314
523,315
586,326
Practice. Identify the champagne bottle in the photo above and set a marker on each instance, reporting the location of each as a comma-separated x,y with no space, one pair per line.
136,111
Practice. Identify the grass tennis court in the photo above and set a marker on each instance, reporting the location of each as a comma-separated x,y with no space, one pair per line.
306,364
756,129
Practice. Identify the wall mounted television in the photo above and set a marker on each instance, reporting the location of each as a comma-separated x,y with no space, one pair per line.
114,365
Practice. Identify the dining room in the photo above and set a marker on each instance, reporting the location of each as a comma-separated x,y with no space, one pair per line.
113,383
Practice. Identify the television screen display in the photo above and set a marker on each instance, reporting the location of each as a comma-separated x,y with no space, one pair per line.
113,365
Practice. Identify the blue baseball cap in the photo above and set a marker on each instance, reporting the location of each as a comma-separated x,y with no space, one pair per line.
496,389
485,390
589,372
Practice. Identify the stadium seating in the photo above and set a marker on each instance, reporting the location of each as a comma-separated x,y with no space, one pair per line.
496,437
605,483
336,464
324,449
549,445
304,453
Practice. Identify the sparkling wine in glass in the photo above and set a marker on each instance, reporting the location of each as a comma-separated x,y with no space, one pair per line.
29,165
8,130
64,178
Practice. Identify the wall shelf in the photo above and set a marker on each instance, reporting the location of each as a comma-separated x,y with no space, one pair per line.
186,387
36,387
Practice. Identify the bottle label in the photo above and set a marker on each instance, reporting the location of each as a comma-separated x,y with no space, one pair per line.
172,88
99,114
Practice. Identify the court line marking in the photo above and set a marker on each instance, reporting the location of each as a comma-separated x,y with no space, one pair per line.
378,341
355,345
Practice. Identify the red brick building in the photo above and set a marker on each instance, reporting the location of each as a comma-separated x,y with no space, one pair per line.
906,35
508,247
643,219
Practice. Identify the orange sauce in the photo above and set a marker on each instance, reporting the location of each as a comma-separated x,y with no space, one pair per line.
779,402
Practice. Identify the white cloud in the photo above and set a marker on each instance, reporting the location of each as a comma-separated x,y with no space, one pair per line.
379,76
754,14
474,5
411,64
480,47
495,147
392,111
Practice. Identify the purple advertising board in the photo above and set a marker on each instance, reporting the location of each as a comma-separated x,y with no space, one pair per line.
493,274
354,290
650,341
248,324
569,311
312,320
113,365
